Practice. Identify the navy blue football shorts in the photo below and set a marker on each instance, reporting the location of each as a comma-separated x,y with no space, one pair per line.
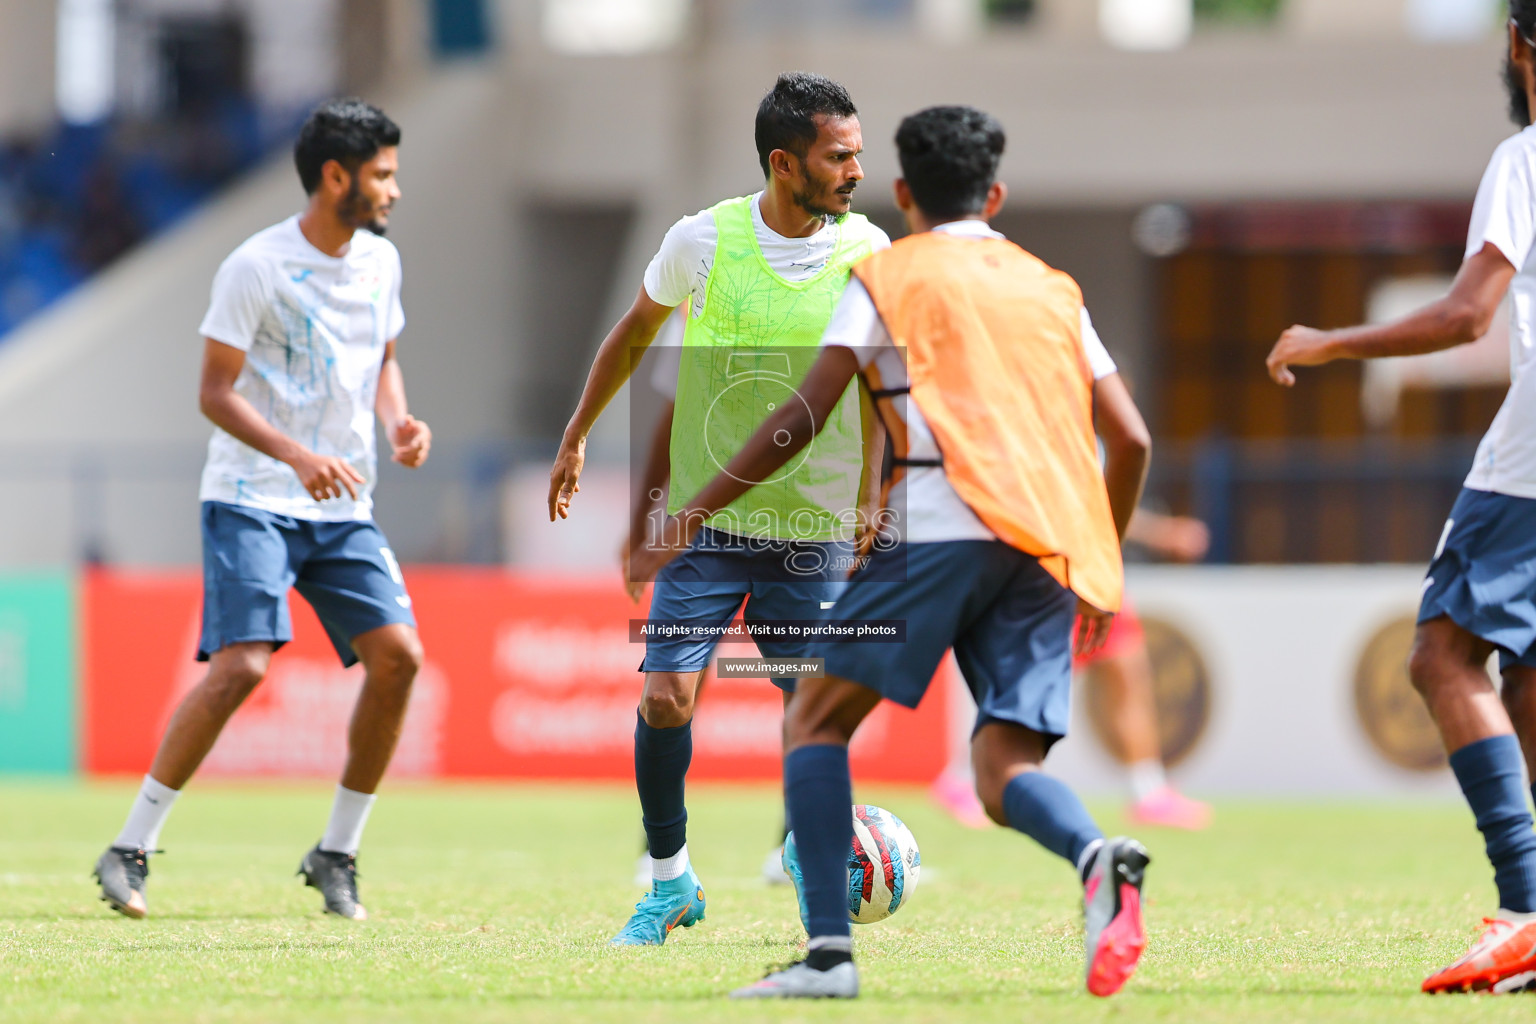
1483,576
779,580
1009,622
251,558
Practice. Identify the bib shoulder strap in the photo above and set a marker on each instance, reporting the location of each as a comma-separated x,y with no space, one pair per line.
733,217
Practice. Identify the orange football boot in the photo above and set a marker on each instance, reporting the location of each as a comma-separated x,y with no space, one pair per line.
1506,948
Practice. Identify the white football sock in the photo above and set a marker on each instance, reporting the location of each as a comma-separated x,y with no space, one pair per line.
344,832
147,816
1147,777
665,869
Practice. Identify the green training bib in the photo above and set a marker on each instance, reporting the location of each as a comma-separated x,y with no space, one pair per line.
743,355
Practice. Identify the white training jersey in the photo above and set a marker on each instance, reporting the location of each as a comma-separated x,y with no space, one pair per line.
313,329
1504,216
932,510
680,269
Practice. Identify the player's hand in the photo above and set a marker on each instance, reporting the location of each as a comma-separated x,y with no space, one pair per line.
1092,629
1298,346
564,476
412,440
644,561
634,590
326,476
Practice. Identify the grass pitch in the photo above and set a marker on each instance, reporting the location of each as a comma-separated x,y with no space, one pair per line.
494,904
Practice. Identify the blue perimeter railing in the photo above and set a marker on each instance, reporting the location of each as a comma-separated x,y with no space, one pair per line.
1311,501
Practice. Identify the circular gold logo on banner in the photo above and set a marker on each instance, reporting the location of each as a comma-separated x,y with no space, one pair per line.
1181,690
1391,712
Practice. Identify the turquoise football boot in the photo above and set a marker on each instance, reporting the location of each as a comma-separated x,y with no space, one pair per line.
673,904
791,861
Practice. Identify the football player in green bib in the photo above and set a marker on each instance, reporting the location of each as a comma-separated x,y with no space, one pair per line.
761,276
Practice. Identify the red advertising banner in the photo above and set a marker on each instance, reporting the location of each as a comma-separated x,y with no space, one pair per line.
525,677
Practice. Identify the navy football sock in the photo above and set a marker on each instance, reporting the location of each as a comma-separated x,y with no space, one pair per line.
1047,811
1490,773
662,757
818,792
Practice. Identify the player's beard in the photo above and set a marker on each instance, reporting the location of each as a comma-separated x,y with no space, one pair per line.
1519,100
816,197
358,211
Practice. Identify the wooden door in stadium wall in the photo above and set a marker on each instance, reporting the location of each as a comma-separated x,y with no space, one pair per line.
524,678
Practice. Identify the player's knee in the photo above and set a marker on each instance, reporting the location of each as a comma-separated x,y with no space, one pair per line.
236,673
1428,662
665,708
399,660
807,723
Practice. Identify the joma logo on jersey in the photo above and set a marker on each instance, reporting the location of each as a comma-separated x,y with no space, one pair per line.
373,284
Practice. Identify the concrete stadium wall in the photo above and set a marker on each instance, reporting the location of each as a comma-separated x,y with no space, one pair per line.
98,393
1231,117
27,30
1277,681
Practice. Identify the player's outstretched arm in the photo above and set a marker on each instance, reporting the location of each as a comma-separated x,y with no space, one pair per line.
615,360
409,438
1127,450
1127,447
1461,317
323,476
777,441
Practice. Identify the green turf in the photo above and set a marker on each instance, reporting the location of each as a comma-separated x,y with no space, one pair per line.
494,904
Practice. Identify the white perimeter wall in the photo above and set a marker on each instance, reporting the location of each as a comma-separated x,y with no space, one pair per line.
1281,646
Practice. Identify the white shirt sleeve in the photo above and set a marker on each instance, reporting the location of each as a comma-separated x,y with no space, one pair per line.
1099,360
669,355
395,325
856,324
1502,213
879,240
240,297
682,263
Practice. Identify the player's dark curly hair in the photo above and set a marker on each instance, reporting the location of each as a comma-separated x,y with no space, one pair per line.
348,131
949,158
786,119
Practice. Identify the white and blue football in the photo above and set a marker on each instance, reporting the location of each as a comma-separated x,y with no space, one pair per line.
883,864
